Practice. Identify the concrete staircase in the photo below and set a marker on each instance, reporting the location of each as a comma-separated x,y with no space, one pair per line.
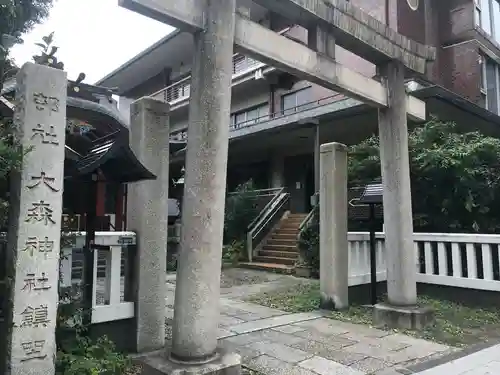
279,251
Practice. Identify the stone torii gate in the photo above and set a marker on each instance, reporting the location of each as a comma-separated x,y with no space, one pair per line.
217,25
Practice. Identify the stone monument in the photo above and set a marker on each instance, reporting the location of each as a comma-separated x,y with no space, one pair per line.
35,221
334,247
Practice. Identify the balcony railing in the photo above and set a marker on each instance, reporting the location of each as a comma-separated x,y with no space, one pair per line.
181,135
181,90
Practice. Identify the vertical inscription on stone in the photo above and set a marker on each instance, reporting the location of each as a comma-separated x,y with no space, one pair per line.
34,237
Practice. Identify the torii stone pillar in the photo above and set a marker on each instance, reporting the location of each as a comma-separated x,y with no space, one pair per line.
401,311
196,309
147,214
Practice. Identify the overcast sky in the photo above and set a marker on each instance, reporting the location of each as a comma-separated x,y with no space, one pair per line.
93,36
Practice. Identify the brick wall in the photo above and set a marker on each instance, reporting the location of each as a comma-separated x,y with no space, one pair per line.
464,70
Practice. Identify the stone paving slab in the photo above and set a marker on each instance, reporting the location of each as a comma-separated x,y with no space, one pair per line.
324,366
274,342
275,321
481,362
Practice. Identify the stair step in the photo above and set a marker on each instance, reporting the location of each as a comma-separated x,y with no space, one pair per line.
284,236
267,247
287,230
270,267
275,260
282,242
279,254
302,216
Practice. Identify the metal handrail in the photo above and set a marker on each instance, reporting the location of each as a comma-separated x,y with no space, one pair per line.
260,192
265,216
266,207
306,220
309,216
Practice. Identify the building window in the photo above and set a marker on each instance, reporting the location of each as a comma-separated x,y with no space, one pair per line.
297,101
250,116
487,14
490,84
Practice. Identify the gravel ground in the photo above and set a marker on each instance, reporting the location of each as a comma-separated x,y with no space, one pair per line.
239,276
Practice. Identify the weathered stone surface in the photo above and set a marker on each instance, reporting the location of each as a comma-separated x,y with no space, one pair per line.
394,158
157,363
273,366
35,222
280,351
199,263
147,215
411,317
289,329
331,352
333,341
324,366
369,365
333,249
356,31
272,322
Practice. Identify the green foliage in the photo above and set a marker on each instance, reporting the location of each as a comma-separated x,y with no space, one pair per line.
455,177
456,324
241,210
19,16
455,181
233,252
309,243
172,263
47,53
85,357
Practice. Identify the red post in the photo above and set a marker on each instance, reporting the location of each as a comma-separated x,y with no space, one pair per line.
119,212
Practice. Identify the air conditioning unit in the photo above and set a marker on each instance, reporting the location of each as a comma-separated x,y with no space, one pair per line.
258,74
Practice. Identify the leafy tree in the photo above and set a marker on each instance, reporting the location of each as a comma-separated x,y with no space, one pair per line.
455,177
16,18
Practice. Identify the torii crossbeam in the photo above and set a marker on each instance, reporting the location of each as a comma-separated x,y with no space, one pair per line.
376,44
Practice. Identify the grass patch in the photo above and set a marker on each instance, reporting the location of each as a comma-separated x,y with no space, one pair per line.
249,371
456,324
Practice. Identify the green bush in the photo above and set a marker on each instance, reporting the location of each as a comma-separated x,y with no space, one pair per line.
77,354
309,243
85,357
233,252
241,209
454,177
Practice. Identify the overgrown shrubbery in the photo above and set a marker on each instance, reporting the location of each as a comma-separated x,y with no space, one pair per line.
455,180
77,354
241,209
309,243
455,177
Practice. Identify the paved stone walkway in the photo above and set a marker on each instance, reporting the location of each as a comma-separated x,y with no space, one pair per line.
470,361
275,342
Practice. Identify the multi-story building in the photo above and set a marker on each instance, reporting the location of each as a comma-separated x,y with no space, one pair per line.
276,117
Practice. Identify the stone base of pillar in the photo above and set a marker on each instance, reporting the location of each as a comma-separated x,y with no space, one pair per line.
410,317
158,363
328,303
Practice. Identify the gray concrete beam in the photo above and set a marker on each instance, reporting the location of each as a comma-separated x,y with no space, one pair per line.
356,31
185,14
283,53
301,61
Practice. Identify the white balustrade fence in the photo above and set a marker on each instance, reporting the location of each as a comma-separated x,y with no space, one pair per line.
457,260
110,273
